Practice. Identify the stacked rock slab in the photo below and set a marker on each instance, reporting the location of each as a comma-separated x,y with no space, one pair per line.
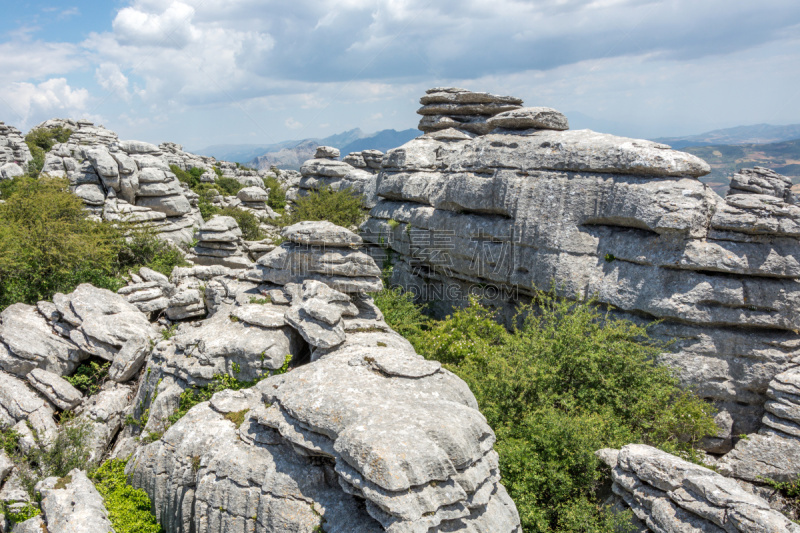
319,251
219,243
325,170
368,436
621,219
14,153
670,494
367,160
449,107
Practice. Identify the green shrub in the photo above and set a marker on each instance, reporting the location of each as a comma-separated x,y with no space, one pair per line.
277,195
228,186
190,177
20,515
567,381
344,207
142,247
47,244
248,223
88,377
128,508
218,171
40,141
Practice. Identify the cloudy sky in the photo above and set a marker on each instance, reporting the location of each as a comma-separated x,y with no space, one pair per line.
202,72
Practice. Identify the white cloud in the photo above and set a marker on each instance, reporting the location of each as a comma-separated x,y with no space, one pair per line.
111,78
292,124
171,28
36,103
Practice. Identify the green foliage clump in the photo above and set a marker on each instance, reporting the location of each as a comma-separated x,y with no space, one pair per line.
190,177
21,514
566,381
88,377
228,186
48,245
40,141
248,223
195,395
277,194
790,490
128,508
344,207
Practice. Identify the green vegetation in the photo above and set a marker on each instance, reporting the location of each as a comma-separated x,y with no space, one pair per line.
190,177
88,377
344,207
277,195
567,381
195,395
790,490
128,508
48,245
40,141
69,450
17,516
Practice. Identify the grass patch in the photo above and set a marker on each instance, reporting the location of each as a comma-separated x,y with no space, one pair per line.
237,418
190,177
128,508
344,208
567,381
17,516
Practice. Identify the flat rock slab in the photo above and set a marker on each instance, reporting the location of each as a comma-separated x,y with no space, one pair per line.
321,233
55,388
72,505
530,117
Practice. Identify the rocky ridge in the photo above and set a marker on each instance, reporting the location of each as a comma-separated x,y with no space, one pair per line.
496,202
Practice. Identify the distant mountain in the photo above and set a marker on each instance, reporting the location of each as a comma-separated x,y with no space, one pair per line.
756,134
782,157
292,154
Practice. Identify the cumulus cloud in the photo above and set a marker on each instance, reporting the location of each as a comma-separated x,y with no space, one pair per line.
34,103
292,124
111,78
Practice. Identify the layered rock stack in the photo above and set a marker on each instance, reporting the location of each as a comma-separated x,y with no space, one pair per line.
368,436
670,494
219,243
325,170
594,214
84,132
449,107
319,251
366,160
14,153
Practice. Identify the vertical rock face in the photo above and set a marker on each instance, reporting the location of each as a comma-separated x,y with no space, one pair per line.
532,204
13,150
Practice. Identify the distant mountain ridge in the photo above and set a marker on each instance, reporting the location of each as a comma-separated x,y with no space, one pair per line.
292,154
754,134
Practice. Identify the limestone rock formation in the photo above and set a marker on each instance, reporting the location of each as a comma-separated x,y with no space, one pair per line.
72,505
13,151
319,251
327,171
670,494
220,243
449,107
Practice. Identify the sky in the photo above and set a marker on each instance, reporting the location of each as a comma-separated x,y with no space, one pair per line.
208,72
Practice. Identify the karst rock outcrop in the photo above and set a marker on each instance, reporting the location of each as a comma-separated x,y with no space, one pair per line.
499,200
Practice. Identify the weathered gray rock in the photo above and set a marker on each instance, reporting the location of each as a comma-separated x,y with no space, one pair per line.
28,342
104,413
54,388
337,175
172,206
72,505
530,117
321,233
18,403
10,171
253,194
761,180
670,494
327,152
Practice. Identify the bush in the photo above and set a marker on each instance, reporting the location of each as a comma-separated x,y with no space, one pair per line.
88,377
567,381
40,141
128,508
190,177
248,222
48,245
228,186
343,207
277,195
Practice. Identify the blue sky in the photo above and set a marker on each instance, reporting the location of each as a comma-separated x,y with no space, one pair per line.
202,72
